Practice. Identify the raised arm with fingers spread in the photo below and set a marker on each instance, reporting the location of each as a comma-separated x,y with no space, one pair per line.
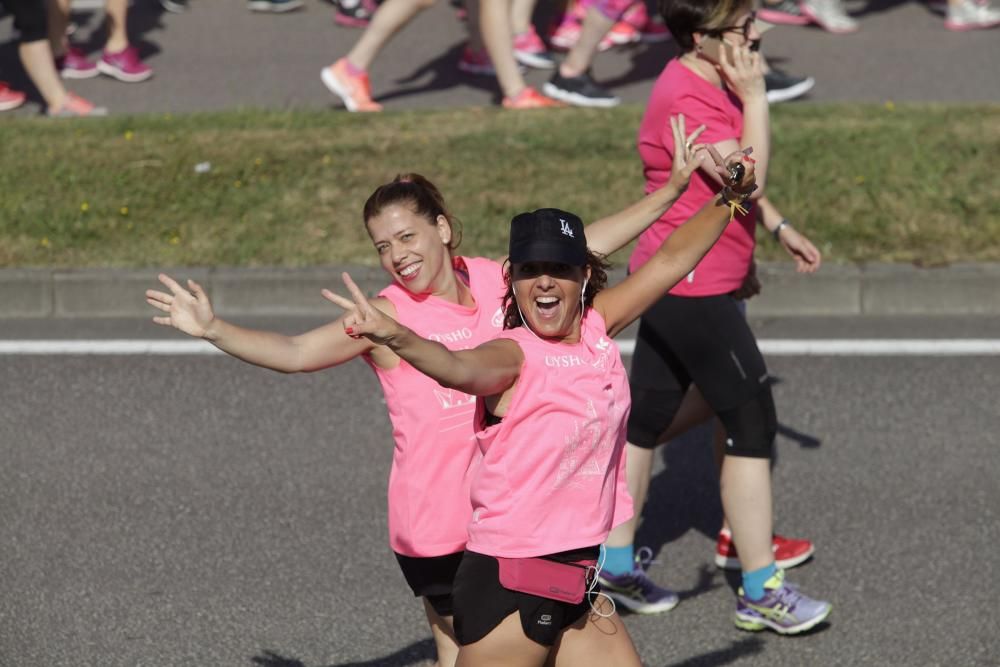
189,310
615,231
482,371
621,304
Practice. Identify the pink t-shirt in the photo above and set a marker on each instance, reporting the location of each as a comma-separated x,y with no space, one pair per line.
433,427
552,477
679,90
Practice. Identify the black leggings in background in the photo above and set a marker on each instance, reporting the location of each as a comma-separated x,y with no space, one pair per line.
29,18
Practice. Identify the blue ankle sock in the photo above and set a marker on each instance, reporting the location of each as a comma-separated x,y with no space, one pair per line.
753,582
619,560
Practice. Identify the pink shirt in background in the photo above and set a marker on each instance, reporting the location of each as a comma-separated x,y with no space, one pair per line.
679,90
552,476
433,427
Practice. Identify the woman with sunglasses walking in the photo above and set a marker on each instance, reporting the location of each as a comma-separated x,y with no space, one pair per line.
697,334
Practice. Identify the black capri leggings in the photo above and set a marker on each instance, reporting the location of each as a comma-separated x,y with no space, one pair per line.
29,18
705,340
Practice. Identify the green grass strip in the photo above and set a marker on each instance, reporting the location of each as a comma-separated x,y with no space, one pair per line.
866,183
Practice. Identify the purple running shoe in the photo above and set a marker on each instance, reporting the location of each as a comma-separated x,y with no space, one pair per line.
784,609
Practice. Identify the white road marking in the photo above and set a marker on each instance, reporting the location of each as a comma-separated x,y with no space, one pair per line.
787,347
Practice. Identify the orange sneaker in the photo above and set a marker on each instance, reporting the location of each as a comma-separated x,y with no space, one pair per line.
354,89
74,106
529,98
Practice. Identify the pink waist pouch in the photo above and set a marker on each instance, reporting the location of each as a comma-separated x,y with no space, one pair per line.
565,582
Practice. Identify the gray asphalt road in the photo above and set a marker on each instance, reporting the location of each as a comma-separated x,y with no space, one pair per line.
220,56
198,511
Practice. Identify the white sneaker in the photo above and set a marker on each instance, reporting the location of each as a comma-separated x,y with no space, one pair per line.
971,15
829,15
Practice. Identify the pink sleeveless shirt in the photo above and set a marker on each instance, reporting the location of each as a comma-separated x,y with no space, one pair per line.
552,476
433,427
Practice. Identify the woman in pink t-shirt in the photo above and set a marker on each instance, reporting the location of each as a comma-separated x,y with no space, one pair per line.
697,334
550,485
451,299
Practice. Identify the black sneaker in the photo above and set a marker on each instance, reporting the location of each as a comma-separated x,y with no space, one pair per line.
782,87
579,91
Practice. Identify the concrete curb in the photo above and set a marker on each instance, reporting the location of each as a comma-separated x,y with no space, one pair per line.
837,290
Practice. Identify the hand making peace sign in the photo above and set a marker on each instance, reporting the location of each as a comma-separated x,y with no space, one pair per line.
364,319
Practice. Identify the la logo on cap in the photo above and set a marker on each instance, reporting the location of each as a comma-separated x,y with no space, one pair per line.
565,228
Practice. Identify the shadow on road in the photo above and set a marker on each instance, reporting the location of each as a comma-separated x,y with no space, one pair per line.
415,654
444,74
736,651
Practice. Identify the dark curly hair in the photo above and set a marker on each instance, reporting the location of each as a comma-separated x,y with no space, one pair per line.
418,193
599,267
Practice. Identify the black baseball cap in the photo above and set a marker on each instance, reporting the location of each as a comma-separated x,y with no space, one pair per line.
548,235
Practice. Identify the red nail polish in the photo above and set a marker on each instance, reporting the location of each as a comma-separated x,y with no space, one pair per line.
348,330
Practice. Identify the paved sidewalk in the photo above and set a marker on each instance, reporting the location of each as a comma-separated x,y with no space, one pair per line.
837,290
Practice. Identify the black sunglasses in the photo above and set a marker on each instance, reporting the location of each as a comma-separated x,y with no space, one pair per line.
743,29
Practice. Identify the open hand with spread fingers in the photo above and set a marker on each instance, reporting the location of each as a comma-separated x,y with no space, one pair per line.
364,319
188,310
688,154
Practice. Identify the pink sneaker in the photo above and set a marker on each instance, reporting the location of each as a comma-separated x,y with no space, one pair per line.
355,90
124,66
530,50
651,28
566,33
76,107
10,98
74,65
621,33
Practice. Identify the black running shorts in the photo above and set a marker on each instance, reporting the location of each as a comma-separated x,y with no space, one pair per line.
432,578
705,340
481,603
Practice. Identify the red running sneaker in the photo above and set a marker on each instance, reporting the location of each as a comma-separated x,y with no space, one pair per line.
788,552
10,98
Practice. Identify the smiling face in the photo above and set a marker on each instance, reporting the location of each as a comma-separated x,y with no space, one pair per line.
411,248
548,295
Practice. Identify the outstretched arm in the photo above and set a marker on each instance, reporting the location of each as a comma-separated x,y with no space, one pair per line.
677,256
482,371
614,232
189,310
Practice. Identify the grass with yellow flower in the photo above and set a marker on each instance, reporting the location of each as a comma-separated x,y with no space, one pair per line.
882,182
